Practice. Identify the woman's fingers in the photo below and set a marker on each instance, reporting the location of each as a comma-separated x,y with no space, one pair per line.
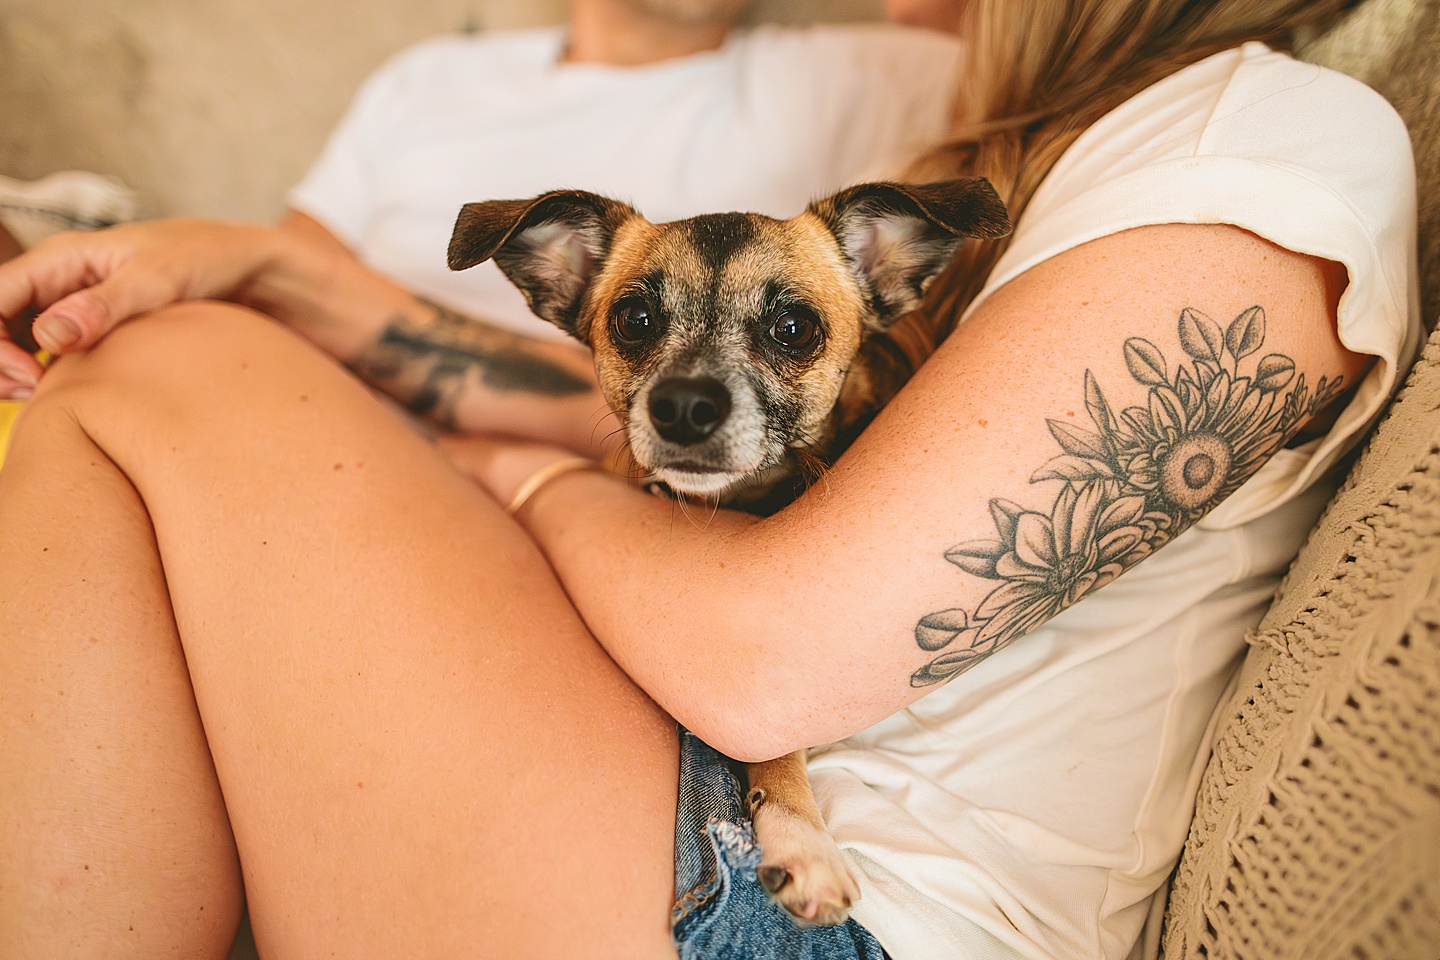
498,464
472,455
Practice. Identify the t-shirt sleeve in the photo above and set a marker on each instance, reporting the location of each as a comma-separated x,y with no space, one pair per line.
339,187
1305,157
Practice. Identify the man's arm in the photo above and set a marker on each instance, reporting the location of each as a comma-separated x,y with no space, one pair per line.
466,374
471,376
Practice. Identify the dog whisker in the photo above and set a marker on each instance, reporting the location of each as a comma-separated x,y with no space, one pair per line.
812,469
684,504
598,421
685,511
602,411
613,433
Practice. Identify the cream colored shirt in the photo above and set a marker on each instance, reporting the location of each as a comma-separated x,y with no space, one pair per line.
1034,806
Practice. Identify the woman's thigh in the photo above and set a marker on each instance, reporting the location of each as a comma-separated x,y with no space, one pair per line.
421,749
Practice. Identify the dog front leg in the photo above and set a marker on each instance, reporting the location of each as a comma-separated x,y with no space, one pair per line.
801,867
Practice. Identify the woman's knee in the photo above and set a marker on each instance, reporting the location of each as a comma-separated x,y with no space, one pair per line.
186,343
180,372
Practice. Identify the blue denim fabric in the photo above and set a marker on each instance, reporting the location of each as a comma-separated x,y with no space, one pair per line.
721,911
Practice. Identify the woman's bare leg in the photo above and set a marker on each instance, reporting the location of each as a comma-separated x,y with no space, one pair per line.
421,750
113,839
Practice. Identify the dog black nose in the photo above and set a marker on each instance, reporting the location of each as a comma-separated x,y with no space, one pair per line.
688,409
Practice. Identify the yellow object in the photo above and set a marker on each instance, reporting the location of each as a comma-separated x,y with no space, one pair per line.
9,413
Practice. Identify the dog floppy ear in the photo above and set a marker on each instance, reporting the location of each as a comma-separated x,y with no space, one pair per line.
899,236
550,247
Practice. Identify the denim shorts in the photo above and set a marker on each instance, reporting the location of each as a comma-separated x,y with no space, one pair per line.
721,911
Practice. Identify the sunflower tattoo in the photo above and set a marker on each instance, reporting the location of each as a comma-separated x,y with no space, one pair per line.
1129,486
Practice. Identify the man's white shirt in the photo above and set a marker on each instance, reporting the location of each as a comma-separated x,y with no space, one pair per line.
771,120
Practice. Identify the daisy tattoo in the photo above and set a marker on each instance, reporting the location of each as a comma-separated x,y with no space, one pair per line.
1130,485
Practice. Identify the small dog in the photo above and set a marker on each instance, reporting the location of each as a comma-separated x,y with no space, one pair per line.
732,347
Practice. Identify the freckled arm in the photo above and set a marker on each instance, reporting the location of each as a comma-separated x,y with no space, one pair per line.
1081,419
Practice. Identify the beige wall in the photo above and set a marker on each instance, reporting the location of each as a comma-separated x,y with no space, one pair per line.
214,107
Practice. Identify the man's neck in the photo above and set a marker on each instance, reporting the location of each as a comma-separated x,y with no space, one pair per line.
622,34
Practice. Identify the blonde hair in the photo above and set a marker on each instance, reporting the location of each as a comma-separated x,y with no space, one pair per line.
1037,73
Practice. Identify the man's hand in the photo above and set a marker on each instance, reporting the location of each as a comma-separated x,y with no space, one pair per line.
18,326
9,247
84,284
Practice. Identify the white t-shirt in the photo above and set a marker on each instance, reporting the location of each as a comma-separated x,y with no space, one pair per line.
775,118
1034,805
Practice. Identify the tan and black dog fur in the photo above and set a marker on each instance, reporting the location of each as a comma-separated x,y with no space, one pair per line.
735,349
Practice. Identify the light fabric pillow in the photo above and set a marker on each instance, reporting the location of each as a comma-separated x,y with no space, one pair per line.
69,200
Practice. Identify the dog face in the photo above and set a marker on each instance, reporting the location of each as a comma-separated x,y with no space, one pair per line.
723,341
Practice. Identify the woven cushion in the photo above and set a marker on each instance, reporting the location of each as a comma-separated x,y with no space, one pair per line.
1317,827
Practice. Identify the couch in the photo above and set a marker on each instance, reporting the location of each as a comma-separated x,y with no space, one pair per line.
1316,833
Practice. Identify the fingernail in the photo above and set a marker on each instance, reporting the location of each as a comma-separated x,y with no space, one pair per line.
19,376
21,394
56,333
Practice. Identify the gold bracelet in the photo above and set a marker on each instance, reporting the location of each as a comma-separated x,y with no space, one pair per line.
545,474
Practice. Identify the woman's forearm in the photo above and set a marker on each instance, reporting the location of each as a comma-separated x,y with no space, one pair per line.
755,633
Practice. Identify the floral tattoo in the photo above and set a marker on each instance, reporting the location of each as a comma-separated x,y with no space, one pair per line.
1128,487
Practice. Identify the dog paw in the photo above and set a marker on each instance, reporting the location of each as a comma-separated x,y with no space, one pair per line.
802,868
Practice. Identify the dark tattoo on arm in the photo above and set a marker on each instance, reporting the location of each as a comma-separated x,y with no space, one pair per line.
426,366
1129,486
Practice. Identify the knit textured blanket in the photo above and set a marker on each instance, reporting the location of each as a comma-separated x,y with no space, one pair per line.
1317,826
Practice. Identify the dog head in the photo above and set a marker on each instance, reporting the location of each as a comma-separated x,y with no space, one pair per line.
722,341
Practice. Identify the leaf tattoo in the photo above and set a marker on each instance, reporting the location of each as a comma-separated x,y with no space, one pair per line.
1129,486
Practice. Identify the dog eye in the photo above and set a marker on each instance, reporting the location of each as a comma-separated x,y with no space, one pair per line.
632,320
795,329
